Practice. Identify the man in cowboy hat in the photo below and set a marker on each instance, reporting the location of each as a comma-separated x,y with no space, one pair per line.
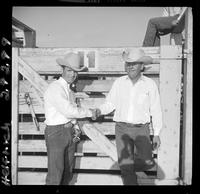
61,113
135,99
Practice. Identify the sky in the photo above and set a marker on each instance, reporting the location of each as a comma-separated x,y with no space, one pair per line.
87,26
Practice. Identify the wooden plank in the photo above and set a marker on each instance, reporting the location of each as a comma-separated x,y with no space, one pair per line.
32,76
81,162
32,146
105,179
100,140
28,128
170,80
33,52
104,163
62,51
83,85
188,102
84,146
96,179
32,162
36,178
104,59
14,121
98,162
31,178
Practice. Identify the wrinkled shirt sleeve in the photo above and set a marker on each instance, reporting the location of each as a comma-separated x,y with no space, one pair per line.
155,109
69,109
110,101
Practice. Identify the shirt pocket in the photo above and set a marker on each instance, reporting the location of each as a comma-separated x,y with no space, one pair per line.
142,98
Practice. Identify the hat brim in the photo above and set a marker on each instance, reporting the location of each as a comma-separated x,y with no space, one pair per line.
145,60
63,63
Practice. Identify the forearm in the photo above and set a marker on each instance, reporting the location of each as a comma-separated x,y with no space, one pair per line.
71,111
157,122
106,108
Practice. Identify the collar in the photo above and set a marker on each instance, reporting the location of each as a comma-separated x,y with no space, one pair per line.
140,79
63,82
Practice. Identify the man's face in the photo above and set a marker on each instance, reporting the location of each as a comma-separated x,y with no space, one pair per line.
133,69
69,75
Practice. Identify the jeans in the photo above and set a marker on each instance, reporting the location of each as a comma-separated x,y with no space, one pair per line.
60,151
161,26
129,137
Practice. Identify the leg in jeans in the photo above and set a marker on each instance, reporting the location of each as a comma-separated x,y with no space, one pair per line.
68,160
144,160
156,26
125,150
56,142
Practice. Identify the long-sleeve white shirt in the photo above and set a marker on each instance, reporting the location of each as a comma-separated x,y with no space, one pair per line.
59,104
134,103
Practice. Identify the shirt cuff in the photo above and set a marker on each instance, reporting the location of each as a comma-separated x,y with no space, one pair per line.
156,132
89,113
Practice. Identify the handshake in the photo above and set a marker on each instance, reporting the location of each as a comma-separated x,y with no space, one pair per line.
95,113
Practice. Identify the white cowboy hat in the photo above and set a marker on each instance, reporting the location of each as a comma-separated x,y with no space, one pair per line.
71,60
136,55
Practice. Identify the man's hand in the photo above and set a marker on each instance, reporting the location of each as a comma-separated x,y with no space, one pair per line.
156,142
95,113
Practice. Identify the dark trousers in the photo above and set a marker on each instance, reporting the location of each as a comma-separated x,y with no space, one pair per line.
161,26
60,151
128,138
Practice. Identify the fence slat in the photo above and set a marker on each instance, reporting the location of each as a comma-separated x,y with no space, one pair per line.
28,128
84,146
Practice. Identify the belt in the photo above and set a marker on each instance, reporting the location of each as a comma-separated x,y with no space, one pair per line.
68,125
133,125
138,125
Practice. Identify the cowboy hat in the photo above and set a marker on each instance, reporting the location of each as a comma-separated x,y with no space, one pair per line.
136,55
71,60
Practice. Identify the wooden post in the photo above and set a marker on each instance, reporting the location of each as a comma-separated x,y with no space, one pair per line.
188,85
14,120
170,93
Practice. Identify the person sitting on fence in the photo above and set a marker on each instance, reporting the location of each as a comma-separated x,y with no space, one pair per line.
168,23
134,98
61,113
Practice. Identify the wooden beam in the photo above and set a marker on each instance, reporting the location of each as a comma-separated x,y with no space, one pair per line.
14,120
43,60
38,178
84,146
100,140
85,85
170,93
32,76
28,128
188,102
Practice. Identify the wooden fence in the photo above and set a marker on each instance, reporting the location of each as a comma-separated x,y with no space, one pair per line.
92,165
